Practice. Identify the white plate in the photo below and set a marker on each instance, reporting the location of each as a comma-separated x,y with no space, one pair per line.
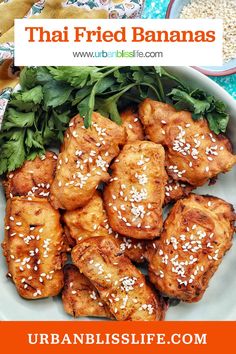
218,302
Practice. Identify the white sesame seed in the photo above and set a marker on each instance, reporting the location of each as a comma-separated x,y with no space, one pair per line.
224,10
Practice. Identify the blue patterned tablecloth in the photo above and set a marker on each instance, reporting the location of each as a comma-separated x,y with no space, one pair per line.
157,9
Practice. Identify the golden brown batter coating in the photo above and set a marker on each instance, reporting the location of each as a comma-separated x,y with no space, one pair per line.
53,9
132,248
80,297
70,241
196,235
91,221
154,116
34,178
7,77
13,10
175,190
120,284
88,221
34,247
84,160
133,127
135,195
194,153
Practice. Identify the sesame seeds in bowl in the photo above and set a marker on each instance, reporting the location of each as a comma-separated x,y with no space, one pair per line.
212,9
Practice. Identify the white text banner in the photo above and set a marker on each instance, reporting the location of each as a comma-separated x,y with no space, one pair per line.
118,42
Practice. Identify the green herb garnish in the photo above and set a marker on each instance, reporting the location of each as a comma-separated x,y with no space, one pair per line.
202,105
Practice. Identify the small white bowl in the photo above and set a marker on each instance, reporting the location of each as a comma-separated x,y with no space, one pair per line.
173,11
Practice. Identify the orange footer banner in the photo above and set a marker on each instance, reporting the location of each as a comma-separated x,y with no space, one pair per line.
117,337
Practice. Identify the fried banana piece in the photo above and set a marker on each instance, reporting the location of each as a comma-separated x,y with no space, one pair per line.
53,9
197,233
84,160
175,190
7,77
132,125
194,153
80,297
135,195
34,178
91,221
34,247
120,284
132,248
88,221
154,116
12,10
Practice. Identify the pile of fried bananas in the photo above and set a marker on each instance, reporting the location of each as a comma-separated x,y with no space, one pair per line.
102,198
